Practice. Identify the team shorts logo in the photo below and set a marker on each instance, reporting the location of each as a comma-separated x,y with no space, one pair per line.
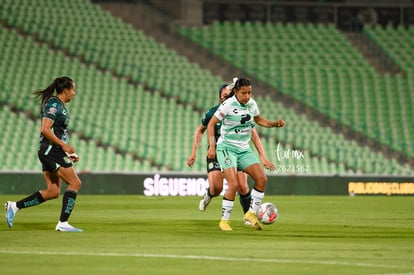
227,161
210,165
66,159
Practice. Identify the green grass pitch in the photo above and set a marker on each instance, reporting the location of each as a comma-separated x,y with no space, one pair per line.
169,235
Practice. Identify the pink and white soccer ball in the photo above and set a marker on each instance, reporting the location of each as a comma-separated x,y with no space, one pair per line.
267,213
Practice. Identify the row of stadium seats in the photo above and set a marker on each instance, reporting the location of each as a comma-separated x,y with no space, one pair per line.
108,110
319,66
19,141
127,118
398,43
99,38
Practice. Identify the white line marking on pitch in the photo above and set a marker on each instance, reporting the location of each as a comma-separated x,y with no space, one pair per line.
199,257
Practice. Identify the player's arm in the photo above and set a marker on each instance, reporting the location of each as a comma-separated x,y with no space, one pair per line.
268,123
46,130
198,135
211,153
259,146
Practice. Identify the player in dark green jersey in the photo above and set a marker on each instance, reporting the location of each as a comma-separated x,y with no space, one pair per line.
55,154
215,176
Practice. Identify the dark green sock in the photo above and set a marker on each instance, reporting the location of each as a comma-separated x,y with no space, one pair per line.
32,200
245,202
68,202
208,192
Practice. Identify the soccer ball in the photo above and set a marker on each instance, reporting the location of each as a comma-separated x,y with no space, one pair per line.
267,213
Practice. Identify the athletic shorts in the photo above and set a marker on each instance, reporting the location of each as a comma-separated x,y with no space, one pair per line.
228,158
212,165
53,157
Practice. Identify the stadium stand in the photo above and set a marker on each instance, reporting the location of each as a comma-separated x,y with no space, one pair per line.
139,102
316,64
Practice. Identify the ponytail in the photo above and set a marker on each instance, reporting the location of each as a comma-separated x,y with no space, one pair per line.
58,85
231,87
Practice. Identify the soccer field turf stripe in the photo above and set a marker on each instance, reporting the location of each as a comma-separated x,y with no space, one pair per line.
201,257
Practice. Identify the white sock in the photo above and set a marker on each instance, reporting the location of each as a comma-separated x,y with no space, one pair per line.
227,207
256,201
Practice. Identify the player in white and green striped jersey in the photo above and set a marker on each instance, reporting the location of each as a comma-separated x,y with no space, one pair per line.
239,114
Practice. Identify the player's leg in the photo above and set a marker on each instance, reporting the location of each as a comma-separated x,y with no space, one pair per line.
244,191
52,190
228,199
68,174
256,172
215,179
215,182
228,161
251,165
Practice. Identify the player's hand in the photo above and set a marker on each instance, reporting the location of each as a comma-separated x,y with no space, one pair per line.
191,159
268,165
211,153
68,149
73,157
279,123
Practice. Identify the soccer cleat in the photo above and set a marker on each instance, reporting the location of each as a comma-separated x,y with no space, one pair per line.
254,222
66,227
204,203
225,225
11,209
247,222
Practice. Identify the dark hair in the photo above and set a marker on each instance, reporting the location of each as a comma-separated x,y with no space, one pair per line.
223,86
58,85
241,82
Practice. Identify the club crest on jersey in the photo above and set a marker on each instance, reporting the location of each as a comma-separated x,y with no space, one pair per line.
52,111
250,108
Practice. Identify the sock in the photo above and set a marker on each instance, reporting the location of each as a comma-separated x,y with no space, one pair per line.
68,202
245,202
32,200
256,200
227,207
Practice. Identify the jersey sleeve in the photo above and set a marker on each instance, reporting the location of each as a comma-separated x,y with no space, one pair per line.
50,110
206,118
256,110
221,111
